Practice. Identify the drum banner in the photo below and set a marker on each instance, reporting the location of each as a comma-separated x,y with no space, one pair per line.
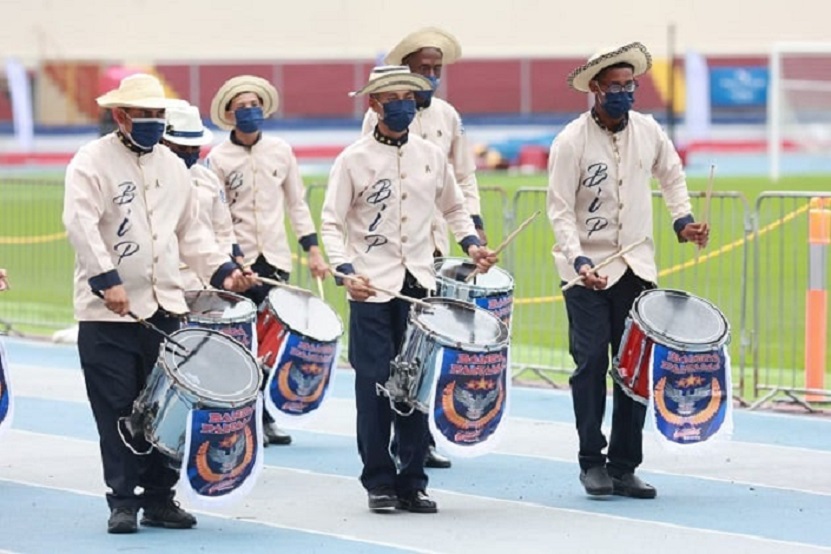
691,397
6,406
469,400
244,332
223,454
298,383
500,305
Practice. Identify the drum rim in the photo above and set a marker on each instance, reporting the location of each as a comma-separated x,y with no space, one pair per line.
188,387
665,340
241,319
504,334
469,286
267,305
618,379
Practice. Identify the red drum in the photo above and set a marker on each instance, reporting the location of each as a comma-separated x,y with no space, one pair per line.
672,318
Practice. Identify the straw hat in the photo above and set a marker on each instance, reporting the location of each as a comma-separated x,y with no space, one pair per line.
429,37
635,54
243,83
388,78
184,127
137,91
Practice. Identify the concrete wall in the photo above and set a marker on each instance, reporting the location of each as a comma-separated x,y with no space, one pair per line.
147,31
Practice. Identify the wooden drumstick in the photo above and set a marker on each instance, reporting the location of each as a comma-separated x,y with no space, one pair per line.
320,288
506,242
604,263
281,284
708,194
410,299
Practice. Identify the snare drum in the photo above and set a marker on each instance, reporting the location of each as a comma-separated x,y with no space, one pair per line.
493,291
451,323
222,311
672,318
218,373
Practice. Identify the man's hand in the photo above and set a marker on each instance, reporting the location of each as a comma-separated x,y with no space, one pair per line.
115,298
317,265
240,280
591,279
699,233
358,287
484,258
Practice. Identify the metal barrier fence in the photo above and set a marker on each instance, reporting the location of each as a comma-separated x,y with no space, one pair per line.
761,291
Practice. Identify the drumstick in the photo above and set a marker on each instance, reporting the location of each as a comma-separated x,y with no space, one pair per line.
320,288
150,326
708,194
398,295
276,283
604,263
506,242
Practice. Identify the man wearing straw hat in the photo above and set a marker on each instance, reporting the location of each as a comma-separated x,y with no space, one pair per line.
599,202
126,198
185,135
426,52
262,182
384,191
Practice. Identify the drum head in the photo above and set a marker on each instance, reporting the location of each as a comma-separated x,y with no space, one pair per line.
457,269
462,324
218,367
686,321
214,306
305,314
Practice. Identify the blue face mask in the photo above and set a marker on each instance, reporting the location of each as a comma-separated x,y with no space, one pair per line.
424,98
147,132
398,114
618,104
190,158
249,120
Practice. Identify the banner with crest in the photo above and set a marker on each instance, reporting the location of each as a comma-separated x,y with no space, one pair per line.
298,382
6,404
501,305
223,454
691,397
469,400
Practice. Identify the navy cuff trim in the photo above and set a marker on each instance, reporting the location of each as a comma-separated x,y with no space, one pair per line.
478,223
105,281
236,251
224,271
346,269
468,241
308,241
679,224
580,261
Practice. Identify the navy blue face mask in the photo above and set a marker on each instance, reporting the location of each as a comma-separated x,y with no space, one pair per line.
398,114
424,98
147,132
249,120
618,104
190,158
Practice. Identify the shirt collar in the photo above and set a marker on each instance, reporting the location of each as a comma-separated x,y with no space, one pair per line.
383,139
236,141
129,144
620,126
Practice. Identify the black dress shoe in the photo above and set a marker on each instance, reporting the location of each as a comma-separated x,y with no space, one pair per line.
633,486
436,460
596,481
167,514
418,503
274,435
382,498
122,520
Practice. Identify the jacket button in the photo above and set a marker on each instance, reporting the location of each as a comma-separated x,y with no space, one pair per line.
404,239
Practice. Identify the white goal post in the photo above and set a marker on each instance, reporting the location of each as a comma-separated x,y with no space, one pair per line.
799,101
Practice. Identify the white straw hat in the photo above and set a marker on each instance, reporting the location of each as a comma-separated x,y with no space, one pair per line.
184,127
635,54
388,78
429,37
237,85
137,91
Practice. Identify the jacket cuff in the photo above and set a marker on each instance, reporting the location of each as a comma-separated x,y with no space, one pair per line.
105,280
220,274
580,261
346,269
679,224
468,241
308,241
477,222
236,251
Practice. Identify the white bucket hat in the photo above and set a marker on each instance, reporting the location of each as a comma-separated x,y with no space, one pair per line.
237,85
388,78
137,91
429,37
635,54
184,127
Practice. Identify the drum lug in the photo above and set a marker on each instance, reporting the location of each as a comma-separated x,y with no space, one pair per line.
123,425
401,385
